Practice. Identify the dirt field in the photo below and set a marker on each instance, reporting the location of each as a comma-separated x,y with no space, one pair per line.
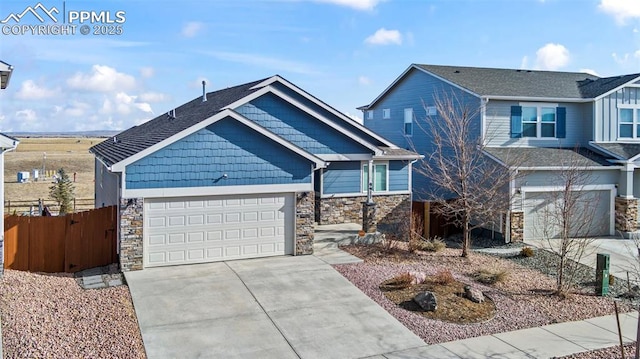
72,154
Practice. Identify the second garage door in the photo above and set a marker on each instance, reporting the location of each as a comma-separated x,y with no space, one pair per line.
215,228
591,215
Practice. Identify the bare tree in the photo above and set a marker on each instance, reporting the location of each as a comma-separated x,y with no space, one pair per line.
471,189
568,222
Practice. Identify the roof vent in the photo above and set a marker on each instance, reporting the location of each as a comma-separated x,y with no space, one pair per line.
171,114
456,72
204,91
115,139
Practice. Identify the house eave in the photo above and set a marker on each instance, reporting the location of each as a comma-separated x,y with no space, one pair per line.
616,89
537,99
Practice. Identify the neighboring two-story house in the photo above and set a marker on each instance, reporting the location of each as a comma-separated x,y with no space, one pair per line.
538,122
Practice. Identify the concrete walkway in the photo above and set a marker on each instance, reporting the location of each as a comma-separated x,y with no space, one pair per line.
279,307
327,238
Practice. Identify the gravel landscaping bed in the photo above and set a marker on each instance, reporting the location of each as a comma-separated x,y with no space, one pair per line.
607,353
523,300
49,316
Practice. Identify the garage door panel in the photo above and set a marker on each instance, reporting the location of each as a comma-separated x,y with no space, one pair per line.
590,214
217,228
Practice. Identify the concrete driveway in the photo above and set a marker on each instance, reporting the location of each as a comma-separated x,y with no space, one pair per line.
281,307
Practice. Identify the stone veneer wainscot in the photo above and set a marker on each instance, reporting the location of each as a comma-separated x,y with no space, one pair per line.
390,209
131,240
626,214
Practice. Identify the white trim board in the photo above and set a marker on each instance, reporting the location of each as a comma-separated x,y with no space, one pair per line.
214,191
120,166
594,187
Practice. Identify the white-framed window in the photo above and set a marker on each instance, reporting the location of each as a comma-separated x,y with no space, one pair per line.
369,114
539,120
408,122
386,113
629,122
380,177
431,111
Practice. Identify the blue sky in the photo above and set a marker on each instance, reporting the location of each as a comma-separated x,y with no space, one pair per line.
344,52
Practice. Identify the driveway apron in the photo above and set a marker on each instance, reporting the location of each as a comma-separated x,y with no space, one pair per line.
280,307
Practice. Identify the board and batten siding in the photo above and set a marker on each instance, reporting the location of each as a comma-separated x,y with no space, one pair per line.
225,147
346,177
106,186
298,127
606,112
416,90
578,127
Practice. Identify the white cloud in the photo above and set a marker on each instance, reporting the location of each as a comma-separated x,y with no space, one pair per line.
552,57
191,29
621,10
29,90
524,64
356,118
385,37
364,80
147,72
102,79
77,109
620,59
590,72
354,4
637,54
28,120
153,97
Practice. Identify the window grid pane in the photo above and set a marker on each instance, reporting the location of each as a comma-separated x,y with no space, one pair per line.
548,130
548,114
365,178
626,131
626,115
529,130
529,114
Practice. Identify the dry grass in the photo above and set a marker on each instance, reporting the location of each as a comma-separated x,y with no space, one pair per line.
490,275
452,305
72,154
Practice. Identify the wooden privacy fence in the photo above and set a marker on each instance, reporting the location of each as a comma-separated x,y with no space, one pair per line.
68,243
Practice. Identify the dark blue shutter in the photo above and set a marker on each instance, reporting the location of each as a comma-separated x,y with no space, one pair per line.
561,122
516,121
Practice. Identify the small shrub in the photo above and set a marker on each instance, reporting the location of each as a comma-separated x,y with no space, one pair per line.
490,276
612,279
431,245
527,252
443,277
400,281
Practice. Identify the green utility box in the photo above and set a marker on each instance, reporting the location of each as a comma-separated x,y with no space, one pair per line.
602,274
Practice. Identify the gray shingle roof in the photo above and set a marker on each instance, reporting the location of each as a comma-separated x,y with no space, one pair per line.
399,152
591,89
141,137
512,82
624,150
547,157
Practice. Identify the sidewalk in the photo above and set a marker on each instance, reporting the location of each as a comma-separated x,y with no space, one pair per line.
549,341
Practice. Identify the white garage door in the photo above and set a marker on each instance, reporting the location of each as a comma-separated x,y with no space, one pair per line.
591,214
208,229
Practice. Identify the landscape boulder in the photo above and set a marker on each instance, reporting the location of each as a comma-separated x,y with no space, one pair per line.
473,294
427,301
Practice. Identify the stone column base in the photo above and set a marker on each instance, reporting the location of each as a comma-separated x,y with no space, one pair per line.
369,224
626,214
516,220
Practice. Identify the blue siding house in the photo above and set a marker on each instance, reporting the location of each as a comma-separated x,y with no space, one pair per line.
549,121
245,172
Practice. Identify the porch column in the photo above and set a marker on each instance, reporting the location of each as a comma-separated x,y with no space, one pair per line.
626,205
625,185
